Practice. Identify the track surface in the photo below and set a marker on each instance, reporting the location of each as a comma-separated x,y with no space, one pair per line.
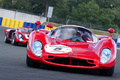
13,67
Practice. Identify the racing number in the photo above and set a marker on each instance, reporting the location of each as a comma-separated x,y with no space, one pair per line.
58,49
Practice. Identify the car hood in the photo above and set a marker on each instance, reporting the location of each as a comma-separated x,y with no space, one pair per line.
25,33
81,49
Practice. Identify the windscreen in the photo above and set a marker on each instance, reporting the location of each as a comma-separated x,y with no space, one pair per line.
73,34
26,30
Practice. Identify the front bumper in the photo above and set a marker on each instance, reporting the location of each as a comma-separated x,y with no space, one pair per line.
23,42
69,61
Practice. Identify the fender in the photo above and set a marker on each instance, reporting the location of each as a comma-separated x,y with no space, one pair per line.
106,43
40,36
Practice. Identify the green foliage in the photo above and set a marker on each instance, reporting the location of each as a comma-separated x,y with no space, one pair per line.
61,10
1,3
87,12
92,13
22,5
101,12
7,3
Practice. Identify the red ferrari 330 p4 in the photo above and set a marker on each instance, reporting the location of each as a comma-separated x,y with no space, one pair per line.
16,36
72,46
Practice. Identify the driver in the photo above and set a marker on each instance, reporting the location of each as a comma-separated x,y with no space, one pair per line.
68,33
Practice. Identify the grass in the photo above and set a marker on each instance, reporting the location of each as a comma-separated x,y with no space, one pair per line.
54,24
100,32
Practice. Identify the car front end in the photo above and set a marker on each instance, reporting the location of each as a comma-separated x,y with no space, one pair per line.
74,47
22,38
71,56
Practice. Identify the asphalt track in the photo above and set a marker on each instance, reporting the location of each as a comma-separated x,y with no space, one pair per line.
13,67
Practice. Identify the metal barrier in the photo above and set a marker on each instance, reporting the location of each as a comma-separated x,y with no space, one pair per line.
1,20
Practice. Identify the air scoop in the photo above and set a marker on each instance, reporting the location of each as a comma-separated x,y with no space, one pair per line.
76,44
69,43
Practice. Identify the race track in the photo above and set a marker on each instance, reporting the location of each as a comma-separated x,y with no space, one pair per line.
13,67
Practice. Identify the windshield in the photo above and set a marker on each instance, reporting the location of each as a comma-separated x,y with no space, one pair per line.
26,30
73,34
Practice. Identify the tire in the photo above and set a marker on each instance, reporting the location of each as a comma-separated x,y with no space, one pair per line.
107,72
6,40
31,63
14,41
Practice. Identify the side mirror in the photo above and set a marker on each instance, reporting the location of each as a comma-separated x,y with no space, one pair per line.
37,22
110,30
50,25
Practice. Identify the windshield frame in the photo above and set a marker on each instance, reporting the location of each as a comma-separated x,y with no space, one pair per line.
92,38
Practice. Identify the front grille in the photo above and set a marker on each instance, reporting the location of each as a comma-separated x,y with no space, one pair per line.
71,61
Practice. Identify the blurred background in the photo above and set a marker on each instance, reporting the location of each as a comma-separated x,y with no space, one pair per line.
97,15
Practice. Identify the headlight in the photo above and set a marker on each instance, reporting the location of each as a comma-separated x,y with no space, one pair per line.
26,36
37,48
105,55
20,37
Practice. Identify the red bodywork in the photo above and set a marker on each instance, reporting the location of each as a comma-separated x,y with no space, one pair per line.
83,55
11,32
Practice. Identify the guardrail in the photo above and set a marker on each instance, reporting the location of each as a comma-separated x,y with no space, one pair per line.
117,41
12,23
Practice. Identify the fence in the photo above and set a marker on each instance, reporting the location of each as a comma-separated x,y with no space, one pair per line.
85,24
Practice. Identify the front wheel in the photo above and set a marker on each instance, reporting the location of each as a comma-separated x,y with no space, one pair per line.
6,40
14,41
31,63
107,72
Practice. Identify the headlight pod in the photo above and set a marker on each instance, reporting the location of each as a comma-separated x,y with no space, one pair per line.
105,55
37,48
26,36
20,37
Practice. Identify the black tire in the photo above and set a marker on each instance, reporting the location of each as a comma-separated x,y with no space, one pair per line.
31,63
107,72
6,40
14,41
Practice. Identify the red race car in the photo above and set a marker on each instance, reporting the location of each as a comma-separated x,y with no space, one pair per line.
16,36
72,46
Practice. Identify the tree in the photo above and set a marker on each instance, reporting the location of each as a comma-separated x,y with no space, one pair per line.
87,12
7,4
1,3
41,6
107,16
48,3
23,5
102,12
61,10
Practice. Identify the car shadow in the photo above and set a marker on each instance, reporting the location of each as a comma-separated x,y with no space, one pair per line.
21,45
70,70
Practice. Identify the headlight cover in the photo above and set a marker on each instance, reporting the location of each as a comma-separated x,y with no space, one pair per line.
26,36
105,55
20,37
37,48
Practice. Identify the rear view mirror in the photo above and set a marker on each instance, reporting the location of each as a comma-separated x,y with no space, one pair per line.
37,22
110,30
50,25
